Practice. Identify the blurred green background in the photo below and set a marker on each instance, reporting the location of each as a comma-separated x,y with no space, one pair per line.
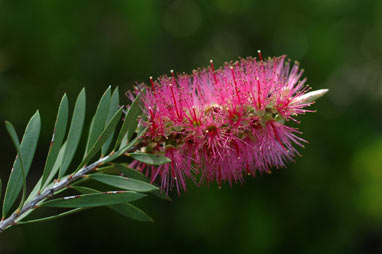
330,201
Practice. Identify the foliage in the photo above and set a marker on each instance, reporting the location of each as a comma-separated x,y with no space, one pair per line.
122,188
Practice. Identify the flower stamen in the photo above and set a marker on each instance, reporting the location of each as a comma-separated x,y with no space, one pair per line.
234,80
213,71
152,84
174,99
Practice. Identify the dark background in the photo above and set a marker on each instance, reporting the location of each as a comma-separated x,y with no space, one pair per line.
328,202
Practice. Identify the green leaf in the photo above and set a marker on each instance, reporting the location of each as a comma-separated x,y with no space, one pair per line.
84,190
124,170
114,106
99,119
27,148
141,127
96,199
130,123
12,132
110,170
150,159
125,148
49,218
121,169
57,138
118,169
125,140
132,117
102,139
56,165
125,209
131,211
52,173
75,132
123,182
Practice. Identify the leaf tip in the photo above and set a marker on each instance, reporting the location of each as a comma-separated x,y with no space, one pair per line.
83,91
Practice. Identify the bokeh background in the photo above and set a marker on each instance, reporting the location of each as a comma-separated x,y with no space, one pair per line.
330,201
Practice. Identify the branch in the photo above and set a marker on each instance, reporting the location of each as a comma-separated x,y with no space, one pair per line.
48,192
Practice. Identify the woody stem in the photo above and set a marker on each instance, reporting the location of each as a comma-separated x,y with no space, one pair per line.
47,192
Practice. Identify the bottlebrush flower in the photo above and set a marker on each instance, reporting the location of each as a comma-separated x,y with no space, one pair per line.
218,125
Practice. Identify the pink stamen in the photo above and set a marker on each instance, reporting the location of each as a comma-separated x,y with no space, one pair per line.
193,109
234,80
278,138
173,97
261,61
237,149
260,56
258,92
213,71
152,84
173,76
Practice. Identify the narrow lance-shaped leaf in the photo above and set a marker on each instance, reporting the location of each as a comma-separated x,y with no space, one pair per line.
150,159
135,174
57,138
121,169
99,119
53,172
56,166
141,127
131,211
114,106
84,190
132,116
12,132
49,218
123,182
102,139
27,148
94,200
75,132
125,140
90,130
125,209
125,148
129,124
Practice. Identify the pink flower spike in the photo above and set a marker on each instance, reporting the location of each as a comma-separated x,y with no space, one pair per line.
218,125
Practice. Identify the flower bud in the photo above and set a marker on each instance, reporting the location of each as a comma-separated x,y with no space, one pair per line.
309,97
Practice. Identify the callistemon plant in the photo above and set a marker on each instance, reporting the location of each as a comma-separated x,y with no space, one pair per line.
219,125
212,125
